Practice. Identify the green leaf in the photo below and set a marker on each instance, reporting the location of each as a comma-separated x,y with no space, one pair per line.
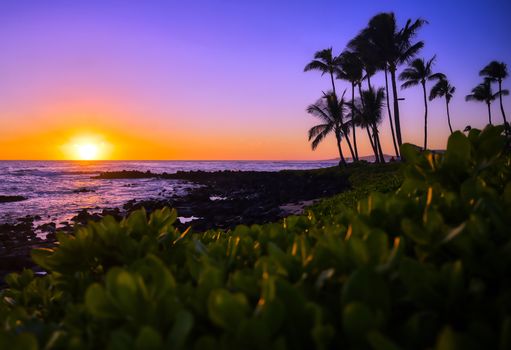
357,320
97,302
22,341
419,280
182,327
361,287
358,251
409,152
156,275
273,315
379,342
120,340
41,256
227,310
447,340
206,343
148,339
458,153
122,287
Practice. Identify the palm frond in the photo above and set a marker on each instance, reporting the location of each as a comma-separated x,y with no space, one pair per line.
482,93
411,28
325,55
316,65
318,110
410,83
410,74
495,71
410,52
320,137
437,76
317,129
440,89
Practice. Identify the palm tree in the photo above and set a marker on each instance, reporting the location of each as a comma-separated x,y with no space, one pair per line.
325,62
368,114
367,56
496,72
330,110
443,89
394,47
484,93
372,56
418,72
351,69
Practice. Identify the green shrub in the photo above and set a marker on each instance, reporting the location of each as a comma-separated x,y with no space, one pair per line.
426,266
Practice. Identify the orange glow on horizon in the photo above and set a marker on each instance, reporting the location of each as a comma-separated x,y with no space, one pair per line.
107,132
87,147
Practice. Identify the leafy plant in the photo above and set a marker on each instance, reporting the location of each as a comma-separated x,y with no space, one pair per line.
422,266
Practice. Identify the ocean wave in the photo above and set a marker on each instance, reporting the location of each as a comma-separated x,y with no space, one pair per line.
45,173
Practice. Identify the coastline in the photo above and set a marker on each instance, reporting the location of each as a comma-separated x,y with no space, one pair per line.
222,200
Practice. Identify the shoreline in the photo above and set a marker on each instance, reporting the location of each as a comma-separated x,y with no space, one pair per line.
222,200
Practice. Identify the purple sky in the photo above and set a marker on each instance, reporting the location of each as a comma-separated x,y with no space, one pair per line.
216,80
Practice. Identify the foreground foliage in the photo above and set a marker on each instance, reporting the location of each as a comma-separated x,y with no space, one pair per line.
426,266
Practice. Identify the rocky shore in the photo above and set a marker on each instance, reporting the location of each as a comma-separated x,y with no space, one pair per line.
222,199
225,199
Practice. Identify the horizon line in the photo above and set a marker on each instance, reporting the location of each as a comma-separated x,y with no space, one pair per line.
169,160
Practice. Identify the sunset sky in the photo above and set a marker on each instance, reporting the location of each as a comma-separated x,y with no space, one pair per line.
214,79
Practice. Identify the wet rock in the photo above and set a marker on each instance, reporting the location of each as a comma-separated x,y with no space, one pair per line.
49,227
7,199
84,216
83,190
115,212
126,174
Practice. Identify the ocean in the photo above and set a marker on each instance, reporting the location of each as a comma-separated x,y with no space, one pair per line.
57,190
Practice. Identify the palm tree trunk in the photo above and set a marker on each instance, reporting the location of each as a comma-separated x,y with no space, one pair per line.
448,115
333,84
369,82
506,126
378,143
376,158
346,136
341,155
396,105
373,146
352,121
396,149
489,112
425,117
360,93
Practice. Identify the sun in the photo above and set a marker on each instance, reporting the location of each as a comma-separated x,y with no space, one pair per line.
87,151
87,147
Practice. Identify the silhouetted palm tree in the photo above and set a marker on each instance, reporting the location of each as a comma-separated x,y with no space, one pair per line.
443,89
331,111
325,62
484,93
496,72
418,72
367,56
394,47
351,69
364,47
396,148
368,114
